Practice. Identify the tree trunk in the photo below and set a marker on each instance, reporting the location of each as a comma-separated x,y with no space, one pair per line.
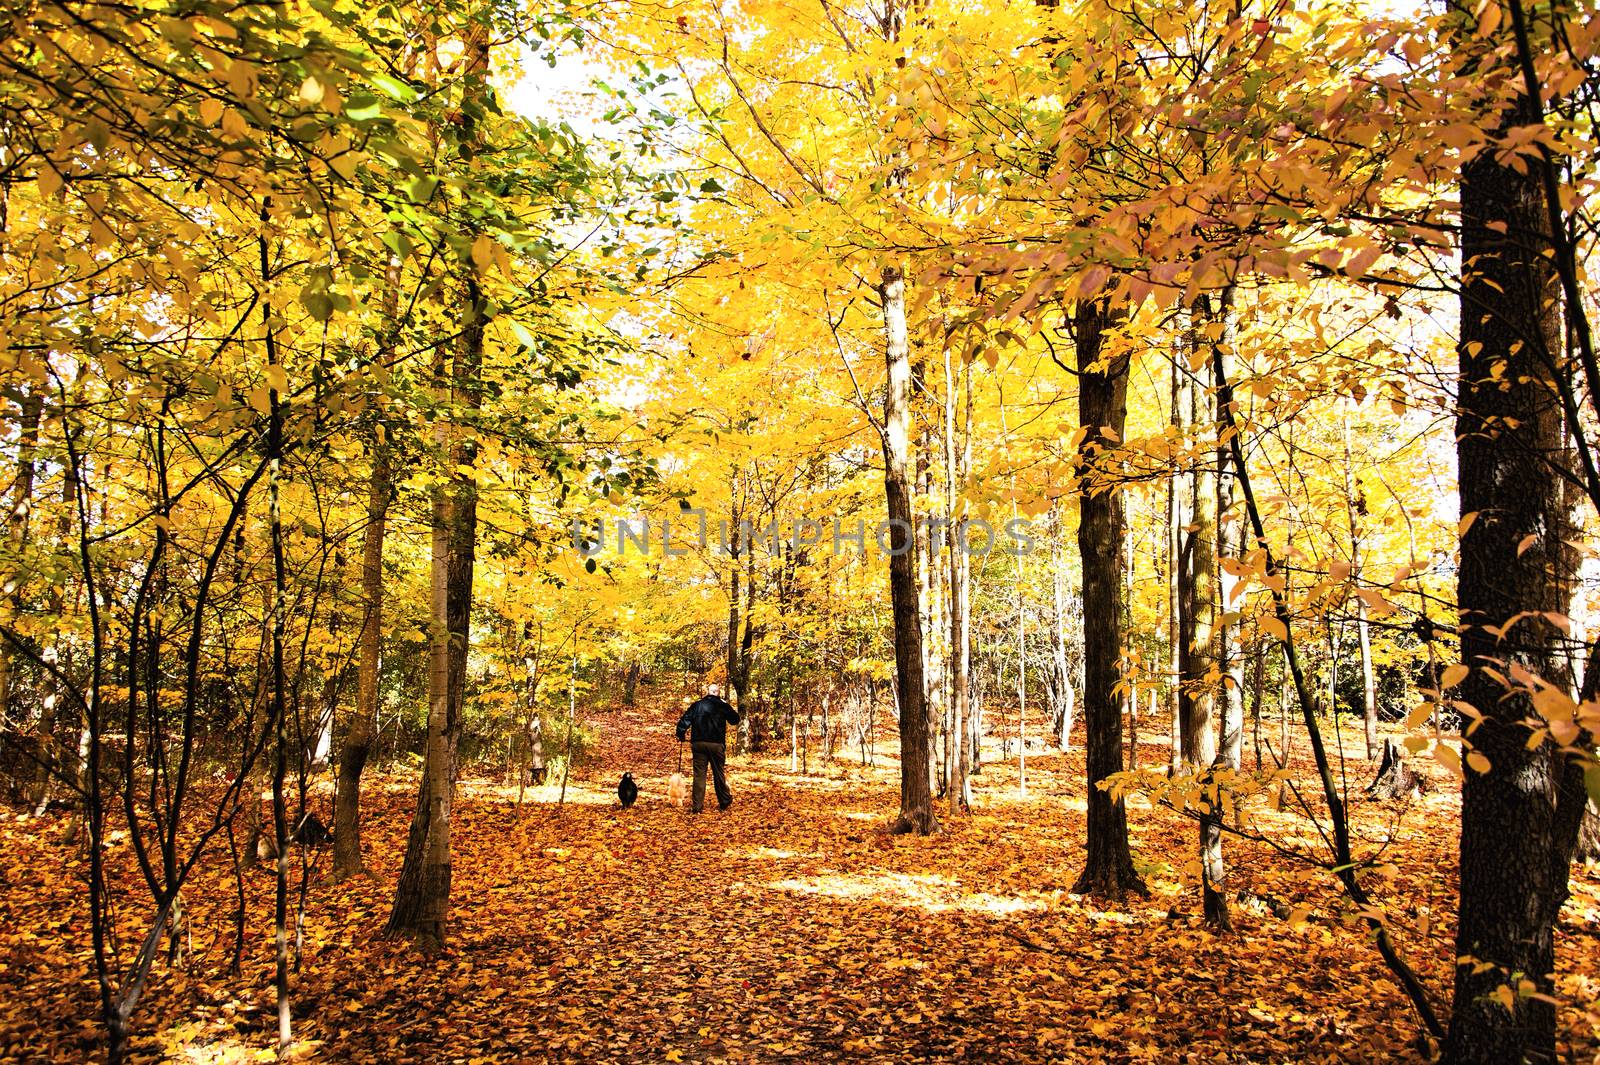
1257,683
1515,569
930,586
1061,683
738,677
957,459
1177,519
1285,737
1197,636
916,797
17,523
747,633
1102,411
422,897
1128,565
364,722
1588,848
1355,505
1225,643
1229,545
1197,602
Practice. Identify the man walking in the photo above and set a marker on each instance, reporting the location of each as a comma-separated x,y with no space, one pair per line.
706,723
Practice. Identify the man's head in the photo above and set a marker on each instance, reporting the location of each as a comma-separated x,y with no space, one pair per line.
714,689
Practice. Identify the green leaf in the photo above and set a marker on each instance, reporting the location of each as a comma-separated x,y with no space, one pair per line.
398,243
315,297
317,304
420,189
396,88
524,335
363,107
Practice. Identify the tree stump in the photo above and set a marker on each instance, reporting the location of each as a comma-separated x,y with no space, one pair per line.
1394,779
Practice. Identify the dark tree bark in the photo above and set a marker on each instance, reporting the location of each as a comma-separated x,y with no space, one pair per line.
1102,410
1515,567
916,796
364,722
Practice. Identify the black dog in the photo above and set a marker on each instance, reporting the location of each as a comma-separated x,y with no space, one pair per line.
627,790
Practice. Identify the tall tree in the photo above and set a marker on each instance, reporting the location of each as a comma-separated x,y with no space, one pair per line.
1199,665
958,457
1102,414
1516,571
1229,654
916,794
422,896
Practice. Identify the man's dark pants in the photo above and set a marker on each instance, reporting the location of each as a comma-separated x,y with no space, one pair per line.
715,755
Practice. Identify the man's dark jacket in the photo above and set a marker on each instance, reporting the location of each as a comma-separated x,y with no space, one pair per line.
707,720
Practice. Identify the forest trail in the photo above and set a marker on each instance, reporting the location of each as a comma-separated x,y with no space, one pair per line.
789,927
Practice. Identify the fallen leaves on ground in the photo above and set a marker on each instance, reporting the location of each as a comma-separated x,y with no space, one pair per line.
790,926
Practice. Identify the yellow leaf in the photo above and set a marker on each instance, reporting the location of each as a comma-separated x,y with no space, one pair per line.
482,252
1419,714
233,124
1446,756
1554,705
1375,601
